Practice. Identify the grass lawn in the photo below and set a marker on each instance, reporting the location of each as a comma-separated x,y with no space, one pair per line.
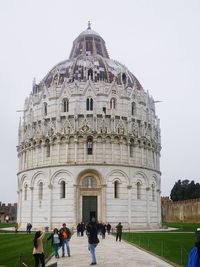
6,225
184,227
172,246
14,245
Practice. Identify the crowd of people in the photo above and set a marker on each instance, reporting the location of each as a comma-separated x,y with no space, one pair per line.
61,238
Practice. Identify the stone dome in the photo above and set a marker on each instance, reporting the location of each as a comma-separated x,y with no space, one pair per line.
89,59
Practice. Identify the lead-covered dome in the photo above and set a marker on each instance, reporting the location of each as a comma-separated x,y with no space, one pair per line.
89,59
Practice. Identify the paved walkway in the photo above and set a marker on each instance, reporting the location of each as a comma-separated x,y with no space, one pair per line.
108,253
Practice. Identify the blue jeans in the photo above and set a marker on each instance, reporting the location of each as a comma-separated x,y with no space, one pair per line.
55,248
92,252
65,242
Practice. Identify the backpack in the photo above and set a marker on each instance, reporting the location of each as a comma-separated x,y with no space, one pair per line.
64,235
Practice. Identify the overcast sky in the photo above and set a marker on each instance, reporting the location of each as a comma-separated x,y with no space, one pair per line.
159,42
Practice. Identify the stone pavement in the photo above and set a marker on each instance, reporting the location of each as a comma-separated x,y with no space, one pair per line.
108,253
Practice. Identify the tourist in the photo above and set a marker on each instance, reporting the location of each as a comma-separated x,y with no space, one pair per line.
65,236
55,241
194,255
119,231
28,228
108,227
92,239
82,228
78,228
38,251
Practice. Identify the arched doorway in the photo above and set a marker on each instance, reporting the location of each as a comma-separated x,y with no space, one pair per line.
90,197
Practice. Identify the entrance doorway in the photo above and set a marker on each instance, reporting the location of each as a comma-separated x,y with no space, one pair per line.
89,208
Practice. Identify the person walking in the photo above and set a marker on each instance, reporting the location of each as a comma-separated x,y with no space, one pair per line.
119,231
92,239
65,236
38,251
108,227
55,241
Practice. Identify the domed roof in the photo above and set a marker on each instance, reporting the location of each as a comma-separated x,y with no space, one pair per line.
89,59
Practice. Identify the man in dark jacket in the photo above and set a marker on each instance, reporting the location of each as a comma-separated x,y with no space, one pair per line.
92,239
65,236
119,231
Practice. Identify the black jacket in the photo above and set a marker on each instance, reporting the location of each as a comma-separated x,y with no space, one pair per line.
92,233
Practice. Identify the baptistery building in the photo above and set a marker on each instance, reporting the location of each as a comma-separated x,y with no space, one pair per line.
89,144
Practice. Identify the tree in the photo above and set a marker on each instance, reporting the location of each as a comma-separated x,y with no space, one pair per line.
183,190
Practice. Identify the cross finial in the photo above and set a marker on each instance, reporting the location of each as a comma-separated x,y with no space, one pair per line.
89,26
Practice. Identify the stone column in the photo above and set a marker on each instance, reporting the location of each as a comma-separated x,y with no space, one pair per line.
159,207
75,149
67,148
58,151
129,187
128,151
112,148
120,144
95,149
50,206
84,152
148,206
103,203
31,204
20,206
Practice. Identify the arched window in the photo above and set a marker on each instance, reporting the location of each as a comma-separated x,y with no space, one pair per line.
116,189
138,190
124,78
65,105
25,191
89,104
133,109
40,191
90,74
153,192
47,148
62,189
89,182
45,108
89,145
113,103
131,150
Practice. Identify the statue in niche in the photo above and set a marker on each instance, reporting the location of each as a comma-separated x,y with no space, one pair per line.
66,129
142,129
50,132
135,128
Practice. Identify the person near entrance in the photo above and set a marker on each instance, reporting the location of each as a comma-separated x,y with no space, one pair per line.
119,231
65,236
92,239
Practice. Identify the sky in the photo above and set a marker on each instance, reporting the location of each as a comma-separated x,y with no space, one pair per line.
159,42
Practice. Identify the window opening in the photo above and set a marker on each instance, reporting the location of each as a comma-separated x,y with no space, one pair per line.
138,190
90,74
89,145
47,148
25,192
65,105
153,192
63,191
45,108
40,191
116,189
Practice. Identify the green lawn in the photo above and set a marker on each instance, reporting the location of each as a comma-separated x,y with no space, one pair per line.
6,225
16,245
172,246
184,227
